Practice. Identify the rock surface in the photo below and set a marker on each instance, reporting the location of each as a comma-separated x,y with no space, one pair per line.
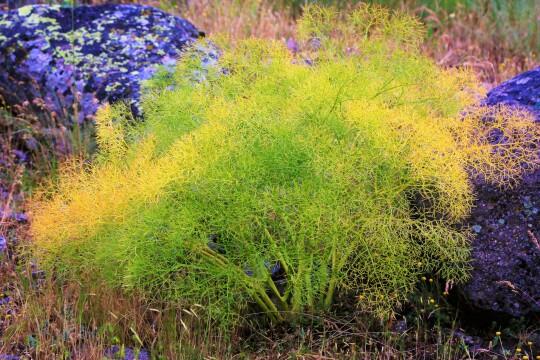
506,222
58,64
522,91
68,60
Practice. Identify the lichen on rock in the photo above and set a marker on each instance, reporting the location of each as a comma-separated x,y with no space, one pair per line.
69,60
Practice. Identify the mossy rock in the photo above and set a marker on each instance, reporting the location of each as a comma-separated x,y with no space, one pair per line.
67,61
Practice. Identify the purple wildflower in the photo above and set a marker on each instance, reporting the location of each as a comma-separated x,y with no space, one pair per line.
292,45
5,300
3,244
129,354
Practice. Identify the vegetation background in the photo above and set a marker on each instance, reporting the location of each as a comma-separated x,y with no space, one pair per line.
495,38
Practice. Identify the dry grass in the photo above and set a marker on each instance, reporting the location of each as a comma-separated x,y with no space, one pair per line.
461,38
239,19
59,323
466,38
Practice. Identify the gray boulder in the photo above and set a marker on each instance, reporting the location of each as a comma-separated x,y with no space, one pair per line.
506,222
58,64
62,58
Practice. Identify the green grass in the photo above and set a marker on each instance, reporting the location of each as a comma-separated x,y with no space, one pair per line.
349,175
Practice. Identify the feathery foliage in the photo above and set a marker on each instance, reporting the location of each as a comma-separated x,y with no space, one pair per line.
285,179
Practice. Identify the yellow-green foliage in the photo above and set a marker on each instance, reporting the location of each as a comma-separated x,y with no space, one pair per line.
350,173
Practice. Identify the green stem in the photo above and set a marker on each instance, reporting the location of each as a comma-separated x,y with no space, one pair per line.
296,300
264,307
280,256
275,290
333,280
260,296
272,307
330,293
220,259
